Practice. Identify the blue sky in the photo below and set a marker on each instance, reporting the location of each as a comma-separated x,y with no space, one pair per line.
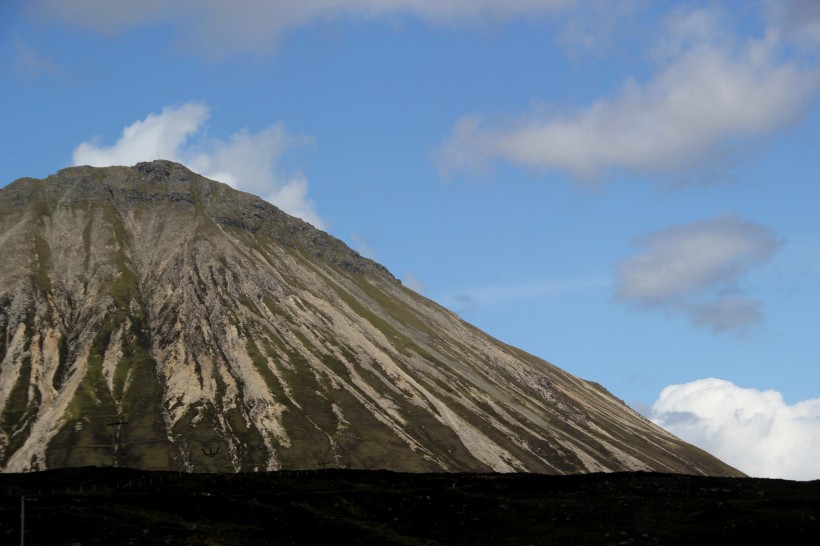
625,188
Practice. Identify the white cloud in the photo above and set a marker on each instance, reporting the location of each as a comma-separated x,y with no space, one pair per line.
710,93
158,136
217,28
754,431
694,269
250,162
247,161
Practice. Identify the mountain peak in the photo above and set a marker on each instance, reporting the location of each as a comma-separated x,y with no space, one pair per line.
153,318
171,183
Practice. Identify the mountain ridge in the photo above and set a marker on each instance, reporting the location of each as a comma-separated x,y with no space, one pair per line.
207,318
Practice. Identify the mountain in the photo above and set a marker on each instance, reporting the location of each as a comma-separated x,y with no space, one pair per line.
152,318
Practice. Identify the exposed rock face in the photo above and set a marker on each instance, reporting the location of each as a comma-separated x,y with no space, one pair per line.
215,324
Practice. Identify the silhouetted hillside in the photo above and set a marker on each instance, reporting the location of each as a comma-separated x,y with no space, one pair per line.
122,506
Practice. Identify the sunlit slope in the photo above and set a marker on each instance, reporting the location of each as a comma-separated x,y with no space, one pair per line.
214,324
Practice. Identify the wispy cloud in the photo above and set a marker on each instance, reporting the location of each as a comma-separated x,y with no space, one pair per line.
216,28
710,92
598,27
754,431
695,269
796,20
361,245
462,304
31,64
247,161
470,299
412,282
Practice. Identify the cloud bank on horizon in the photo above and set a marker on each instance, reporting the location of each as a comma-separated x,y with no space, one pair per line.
754,431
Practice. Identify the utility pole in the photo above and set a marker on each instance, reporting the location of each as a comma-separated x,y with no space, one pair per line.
211,454
117,442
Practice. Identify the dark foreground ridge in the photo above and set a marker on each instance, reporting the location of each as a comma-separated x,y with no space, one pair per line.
124,506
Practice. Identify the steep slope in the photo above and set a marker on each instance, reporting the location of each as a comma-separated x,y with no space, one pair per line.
152,318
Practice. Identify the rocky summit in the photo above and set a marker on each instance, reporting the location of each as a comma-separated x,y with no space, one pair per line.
152,318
